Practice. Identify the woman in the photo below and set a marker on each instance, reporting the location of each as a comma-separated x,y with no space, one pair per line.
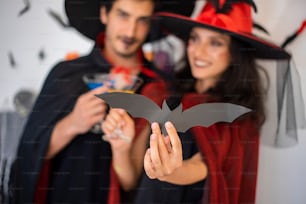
217,164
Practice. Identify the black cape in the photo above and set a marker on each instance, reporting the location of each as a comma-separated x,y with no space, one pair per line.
80,173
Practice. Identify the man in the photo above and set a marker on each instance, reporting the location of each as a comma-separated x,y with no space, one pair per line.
59,159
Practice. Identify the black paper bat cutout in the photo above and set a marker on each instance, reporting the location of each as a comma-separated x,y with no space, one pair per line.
41,54
58,18
12,60
204,114
26,7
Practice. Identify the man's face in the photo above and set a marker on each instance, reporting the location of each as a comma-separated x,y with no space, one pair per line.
127,26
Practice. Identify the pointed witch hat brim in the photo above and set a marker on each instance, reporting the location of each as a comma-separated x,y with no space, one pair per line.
237,23
84,15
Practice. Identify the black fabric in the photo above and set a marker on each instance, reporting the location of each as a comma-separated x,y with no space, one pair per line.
284,104
155,191
80,172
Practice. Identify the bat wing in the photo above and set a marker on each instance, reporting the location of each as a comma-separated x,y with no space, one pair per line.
137,105
208,114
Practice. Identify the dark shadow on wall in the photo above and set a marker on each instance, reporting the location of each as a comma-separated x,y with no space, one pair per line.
11,127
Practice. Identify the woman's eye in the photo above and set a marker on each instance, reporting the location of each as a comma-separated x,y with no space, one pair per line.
192,39
217,43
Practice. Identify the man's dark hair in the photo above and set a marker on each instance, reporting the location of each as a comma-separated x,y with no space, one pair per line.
108,4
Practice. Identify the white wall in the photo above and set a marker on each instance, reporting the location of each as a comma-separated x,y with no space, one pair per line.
281,178
24,36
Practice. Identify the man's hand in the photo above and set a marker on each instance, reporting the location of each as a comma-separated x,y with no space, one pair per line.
88,110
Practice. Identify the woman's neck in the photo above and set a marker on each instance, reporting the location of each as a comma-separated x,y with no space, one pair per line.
202,86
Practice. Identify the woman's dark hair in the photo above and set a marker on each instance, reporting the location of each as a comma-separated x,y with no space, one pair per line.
240,84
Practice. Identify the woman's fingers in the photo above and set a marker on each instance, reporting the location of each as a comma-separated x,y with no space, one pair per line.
155,128
168,143
165,151
155,151
119,125
162,156
159,156
111,121
174,138
148,165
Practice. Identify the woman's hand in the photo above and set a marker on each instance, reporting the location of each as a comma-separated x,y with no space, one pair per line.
119,129
165,153
118,126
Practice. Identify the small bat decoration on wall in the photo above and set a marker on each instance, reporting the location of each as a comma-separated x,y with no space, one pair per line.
204,114
58,18
12,60
26,7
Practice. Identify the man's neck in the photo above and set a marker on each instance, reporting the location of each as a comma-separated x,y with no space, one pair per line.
131,62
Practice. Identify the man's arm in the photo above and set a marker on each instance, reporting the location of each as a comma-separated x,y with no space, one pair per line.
87,111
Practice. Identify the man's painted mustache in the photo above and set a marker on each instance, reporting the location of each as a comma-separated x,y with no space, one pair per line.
127,40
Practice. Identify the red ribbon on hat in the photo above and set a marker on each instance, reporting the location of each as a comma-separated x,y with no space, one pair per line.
239,19
300,30
290,38
219,20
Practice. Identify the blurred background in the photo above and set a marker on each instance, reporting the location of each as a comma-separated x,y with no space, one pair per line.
35,35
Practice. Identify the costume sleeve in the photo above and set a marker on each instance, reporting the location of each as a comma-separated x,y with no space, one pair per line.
230,152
